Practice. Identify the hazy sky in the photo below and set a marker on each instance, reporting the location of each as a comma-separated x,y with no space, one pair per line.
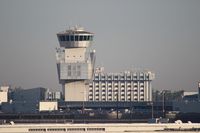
159,35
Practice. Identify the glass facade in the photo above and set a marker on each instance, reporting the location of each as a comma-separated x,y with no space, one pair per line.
76,38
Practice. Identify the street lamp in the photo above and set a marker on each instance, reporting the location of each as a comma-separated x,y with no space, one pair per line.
152,113
163,103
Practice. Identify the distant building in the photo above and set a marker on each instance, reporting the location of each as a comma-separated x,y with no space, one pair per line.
186,106
4,94
53,96
189,93
190,96
24,100
167,95
20,107
4,88
48,106
33,95
124,86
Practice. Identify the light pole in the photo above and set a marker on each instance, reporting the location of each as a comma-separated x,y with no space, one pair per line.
152,113
83,104
117,106
131,104
163,103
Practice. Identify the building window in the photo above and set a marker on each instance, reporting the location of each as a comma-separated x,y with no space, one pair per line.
91,38
72,38
67,38
69,70
95,129
88,38
76,129
79,70
62,38
85,38
76,38
80,38
74,68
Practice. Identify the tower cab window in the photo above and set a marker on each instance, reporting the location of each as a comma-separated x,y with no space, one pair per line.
67,38
76,38
81,38
72,38
62,38
85,38
91,38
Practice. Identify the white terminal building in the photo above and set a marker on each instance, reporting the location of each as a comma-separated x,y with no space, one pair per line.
124,86
75,64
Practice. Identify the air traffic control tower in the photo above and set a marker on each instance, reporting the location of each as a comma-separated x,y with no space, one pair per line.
75,63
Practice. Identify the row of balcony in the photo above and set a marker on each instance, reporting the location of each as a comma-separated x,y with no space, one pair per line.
122,84
115,94
118,92
122,77
116,88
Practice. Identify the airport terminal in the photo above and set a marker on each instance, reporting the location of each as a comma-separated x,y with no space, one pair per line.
91,92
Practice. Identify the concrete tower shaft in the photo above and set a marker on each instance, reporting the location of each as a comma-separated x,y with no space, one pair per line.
75,62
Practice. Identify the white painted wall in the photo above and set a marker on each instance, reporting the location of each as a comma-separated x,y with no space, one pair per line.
3,96
75,55
4,88
48,106
75,91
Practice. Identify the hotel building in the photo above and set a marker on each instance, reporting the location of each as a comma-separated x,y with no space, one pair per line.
124,86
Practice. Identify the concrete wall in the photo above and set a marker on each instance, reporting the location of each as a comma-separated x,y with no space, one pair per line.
187,107
48,106
4,88
31,95
75,91
20,107
3,97
73,55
